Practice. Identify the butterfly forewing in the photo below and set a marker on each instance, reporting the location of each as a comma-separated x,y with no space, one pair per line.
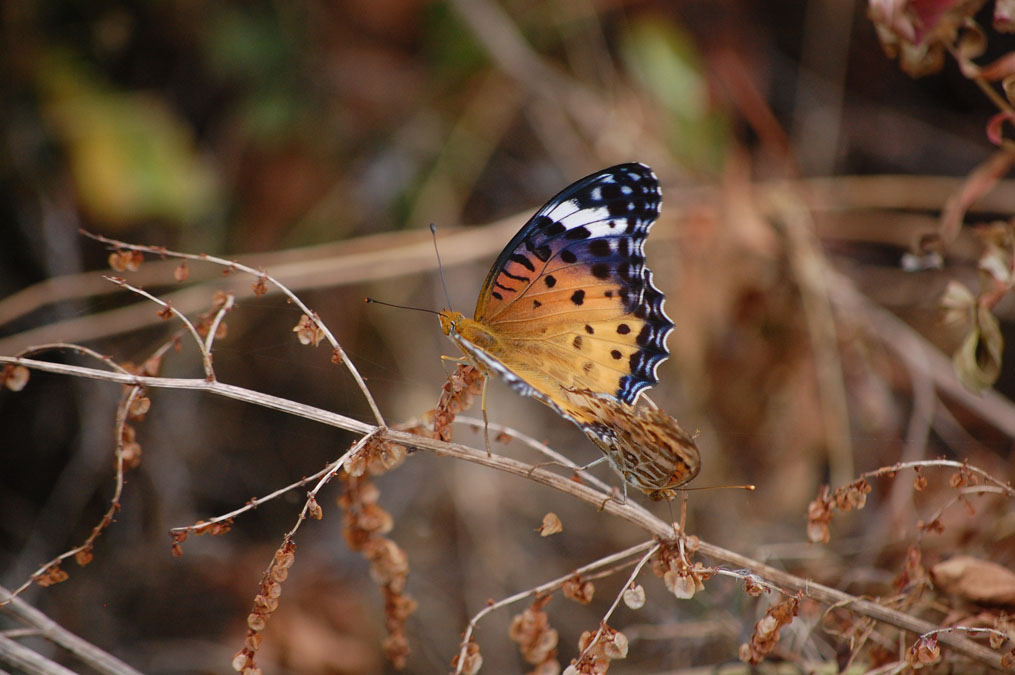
573,286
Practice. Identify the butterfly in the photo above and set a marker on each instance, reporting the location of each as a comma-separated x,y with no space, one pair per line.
569,315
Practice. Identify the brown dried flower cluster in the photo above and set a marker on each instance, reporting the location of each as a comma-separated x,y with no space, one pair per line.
681,577
364,524
308,332
13,377
536,640
578,589
766,631
51,575
375,458
265,603
611,645
1005,623
126,261
205,322
199,528
473,660
845,498
913,577
458,392
131,449
924,652
964,478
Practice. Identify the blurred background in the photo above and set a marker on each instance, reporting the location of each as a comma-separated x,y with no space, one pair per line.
801,167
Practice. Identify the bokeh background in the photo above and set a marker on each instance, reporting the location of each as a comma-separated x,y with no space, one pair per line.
319,140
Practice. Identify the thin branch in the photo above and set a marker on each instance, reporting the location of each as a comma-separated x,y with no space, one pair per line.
26,660
88,653
56,346
629,511
328,475
260,275
542,590
616,601
205,354
209,339
538,446
85,549
253,503
1005,488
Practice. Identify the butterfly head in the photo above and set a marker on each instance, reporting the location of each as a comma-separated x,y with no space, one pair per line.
459,327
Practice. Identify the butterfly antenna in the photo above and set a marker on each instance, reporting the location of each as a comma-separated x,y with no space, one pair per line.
371,301
748,487
440,265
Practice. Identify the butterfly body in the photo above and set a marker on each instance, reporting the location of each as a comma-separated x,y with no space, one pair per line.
643,444
568,313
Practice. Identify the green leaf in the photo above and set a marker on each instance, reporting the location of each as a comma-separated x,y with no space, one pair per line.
131,158
665,61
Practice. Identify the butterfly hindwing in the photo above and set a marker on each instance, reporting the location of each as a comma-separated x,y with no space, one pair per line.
573,282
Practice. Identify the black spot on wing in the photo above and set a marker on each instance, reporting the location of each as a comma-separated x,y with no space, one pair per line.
523,261
643,336
554,229
578,297
516,277
600,248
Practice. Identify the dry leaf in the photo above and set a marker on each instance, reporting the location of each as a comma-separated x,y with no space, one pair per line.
551,525
978,359
634,596
976,580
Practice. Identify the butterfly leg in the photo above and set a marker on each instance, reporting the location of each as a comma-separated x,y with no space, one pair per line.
486,422
455,359
613,496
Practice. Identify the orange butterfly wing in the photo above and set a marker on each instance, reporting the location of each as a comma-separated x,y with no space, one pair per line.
570,300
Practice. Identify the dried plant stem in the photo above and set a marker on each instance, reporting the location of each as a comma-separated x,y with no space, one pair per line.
85,548
85,351
209,339
329,474
42,626
1005,488
650,546
209,372
257,501
260,275
629,511
616,601
539,447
